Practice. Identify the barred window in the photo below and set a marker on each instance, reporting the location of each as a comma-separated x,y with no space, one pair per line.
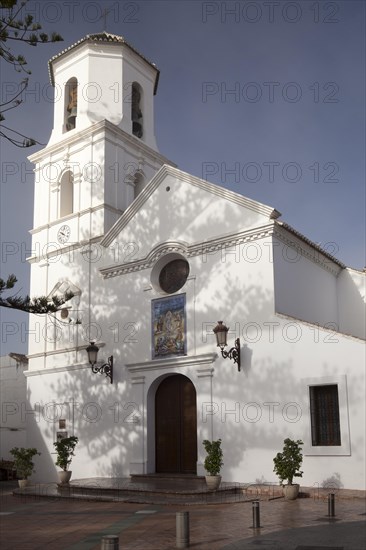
324,410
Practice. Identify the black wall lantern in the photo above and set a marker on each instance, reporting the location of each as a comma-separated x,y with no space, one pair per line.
221,331
106,369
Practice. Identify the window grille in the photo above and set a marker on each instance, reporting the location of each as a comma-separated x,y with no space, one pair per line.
324,410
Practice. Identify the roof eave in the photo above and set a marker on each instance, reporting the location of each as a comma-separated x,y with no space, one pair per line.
89,38
302,237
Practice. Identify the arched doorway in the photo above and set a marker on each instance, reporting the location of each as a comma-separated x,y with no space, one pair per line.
176,426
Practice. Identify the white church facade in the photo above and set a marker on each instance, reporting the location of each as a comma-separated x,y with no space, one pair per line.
155,257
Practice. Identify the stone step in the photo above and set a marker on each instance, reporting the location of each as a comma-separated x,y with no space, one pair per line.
161,489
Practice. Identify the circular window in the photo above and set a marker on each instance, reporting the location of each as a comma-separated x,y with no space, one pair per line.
173,276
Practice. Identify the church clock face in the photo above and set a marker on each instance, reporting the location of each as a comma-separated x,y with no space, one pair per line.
63,234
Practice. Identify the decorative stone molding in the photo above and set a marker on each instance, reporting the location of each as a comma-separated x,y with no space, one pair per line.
187,250
102,131
78,214
105,37
55,370
172,362
285,233
205,372
137,380
167,170
332,331
292,238
63,350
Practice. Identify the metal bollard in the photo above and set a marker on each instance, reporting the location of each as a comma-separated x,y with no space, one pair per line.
110,542
256,514
182,529
331,505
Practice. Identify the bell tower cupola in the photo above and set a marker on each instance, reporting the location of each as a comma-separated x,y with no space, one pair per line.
102,77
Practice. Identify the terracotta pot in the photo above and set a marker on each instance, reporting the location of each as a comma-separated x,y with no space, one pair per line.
23,483
291,491
64,477
213,482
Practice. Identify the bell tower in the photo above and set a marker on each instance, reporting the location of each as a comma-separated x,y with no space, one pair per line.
101,154
102,77
102,150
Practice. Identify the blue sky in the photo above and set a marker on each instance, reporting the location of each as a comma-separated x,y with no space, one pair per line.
265,98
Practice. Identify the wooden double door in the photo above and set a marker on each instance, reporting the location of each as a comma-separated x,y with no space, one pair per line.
176,426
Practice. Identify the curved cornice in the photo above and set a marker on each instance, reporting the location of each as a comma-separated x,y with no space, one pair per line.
292,239
187,250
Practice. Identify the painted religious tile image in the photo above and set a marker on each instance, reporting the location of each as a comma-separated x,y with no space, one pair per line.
168,322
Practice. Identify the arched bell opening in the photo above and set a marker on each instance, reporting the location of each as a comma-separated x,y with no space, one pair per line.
71,104
137,110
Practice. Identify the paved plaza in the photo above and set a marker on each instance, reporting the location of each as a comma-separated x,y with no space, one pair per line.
30,523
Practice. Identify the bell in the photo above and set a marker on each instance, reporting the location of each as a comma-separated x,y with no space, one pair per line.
71,119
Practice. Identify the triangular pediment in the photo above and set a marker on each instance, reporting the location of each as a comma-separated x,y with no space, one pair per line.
176,205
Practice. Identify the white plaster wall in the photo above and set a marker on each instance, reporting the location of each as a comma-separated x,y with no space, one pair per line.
103,167
276,382
136,70
12,400
218,286
121,315
93,410
180,211
303,288
351,287
254,410
51,333
41,212
36,323
243,284
121,161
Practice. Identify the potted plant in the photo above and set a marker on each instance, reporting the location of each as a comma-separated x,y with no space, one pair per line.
23,462
287,466
213,463
65,451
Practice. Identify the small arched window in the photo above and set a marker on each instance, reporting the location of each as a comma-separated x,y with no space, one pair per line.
66,194
71,104
136,110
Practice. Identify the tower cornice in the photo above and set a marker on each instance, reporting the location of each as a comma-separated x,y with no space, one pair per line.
98,38
109,129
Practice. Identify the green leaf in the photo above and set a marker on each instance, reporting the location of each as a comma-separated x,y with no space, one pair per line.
213,461
287,464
